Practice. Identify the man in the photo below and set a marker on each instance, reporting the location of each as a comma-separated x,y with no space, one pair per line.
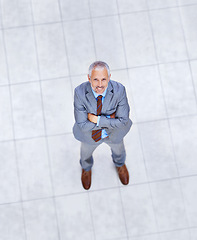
101,115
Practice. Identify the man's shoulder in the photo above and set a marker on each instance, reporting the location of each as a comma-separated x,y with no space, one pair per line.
116,83
117,86
82,87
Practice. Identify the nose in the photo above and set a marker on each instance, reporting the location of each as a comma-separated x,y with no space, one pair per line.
100,84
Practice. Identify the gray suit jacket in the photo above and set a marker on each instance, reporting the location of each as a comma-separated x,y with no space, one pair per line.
115,101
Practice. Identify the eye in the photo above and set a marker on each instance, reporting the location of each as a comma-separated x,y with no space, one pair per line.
103,79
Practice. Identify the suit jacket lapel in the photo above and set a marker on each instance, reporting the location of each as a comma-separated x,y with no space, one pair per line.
91,99
108,97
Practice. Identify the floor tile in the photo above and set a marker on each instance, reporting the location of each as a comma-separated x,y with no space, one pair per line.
9,184
58,107
127,6
138,39
40,220
0,17
104,174
132,37
65,167
74,217
45,11
175,235
51,51
34,169
103,8
168,35
184,137
194,74
178,89
3,64
16,13
72,10
77,80
190,197
147,93
193,233
162,4
135,161
122,76
80,46
6,127
11,222
187,2
146,237
27,110
107,214
158,150
189,19
120,238
107,35
168,205
21,55
138,210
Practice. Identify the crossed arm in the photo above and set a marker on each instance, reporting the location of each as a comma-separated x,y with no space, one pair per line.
87,121
93,118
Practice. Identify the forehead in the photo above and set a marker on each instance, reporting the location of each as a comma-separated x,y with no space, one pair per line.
99,72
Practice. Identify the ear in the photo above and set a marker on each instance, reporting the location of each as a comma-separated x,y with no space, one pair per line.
109,77
89,78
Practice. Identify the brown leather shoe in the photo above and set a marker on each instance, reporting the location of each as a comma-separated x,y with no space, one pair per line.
86,179
123,174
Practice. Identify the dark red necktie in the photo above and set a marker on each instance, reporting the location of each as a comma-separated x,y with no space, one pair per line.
96,134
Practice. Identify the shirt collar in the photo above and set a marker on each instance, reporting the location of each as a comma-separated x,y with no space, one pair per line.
96,94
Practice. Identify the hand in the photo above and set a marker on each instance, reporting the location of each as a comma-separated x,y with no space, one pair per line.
113,115
92,118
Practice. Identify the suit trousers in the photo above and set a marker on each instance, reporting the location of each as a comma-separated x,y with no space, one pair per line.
86,151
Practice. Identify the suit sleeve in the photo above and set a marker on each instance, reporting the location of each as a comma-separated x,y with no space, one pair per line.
81,115
122,114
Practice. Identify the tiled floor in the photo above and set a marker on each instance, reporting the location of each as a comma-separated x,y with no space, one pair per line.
46,47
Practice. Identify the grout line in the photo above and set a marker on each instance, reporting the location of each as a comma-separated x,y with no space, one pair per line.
103,189
187,51
37,137
45,129
169,126
68,133
91,215
149,182
141,235
97,17
166,112
13,130
165,8
119,188
116,238
123,212
153,234
95,52
167,118
126,62
92,30
65,46
46,136
163,232
144,159
82,74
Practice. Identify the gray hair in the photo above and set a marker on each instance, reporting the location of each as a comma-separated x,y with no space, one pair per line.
98,65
